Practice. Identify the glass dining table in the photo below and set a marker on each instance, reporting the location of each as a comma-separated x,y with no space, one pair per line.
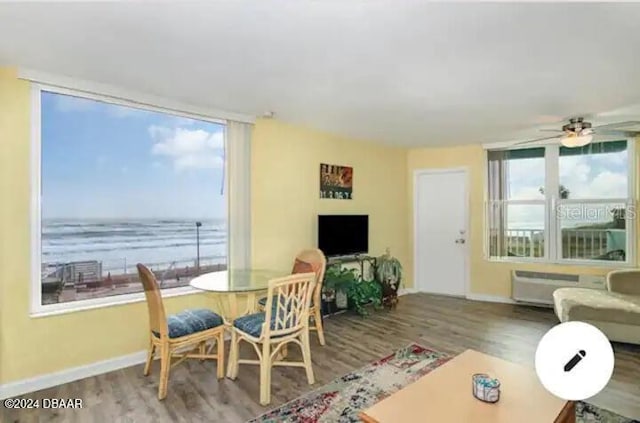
230,284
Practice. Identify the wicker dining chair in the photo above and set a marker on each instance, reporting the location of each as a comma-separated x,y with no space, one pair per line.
311,260
287,314
192,327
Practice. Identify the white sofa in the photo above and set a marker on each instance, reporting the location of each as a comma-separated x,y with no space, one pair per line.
615,311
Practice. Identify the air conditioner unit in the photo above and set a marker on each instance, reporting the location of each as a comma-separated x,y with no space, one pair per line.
537,287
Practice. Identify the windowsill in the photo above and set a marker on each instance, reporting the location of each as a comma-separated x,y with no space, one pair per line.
577,263
95,303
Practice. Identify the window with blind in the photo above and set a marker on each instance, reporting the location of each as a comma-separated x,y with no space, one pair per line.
561,204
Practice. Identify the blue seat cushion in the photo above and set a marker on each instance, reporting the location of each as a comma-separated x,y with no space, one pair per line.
192,321
252,323
263,301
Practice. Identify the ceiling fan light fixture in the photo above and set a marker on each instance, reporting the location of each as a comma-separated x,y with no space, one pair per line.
586,131
578,132
573,141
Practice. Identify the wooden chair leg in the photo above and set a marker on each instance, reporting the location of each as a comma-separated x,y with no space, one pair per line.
203,349
317,317
150,356
220,364
306,356
165,366
265,374
234,356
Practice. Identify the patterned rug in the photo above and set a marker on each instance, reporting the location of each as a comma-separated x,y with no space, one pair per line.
341,400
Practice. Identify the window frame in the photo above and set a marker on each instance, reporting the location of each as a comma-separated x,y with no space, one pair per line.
38,309
552,241
507,203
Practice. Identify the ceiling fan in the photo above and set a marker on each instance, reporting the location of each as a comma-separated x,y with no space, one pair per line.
578,132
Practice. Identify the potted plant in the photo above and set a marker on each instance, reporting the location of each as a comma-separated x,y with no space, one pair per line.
389,274
337,284
364,293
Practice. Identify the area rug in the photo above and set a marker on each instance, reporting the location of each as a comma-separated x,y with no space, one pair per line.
341,400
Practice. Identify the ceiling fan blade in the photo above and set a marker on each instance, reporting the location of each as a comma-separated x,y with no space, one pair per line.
586,131
616,132
551,130
619,125
536,140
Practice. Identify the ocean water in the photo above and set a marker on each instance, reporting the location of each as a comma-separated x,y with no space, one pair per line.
120,244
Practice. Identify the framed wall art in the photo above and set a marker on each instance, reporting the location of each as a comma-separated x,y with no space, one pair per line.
336,182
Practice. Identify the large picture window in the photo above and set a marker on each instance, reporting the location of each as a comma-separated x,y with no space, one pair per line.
561,204
122,185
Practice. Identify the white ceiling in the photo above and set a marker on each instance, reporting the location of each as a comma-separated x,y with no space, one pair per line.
405,72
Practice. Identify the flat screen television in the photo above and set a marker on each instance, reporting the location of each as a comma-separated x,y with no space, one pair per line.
343,235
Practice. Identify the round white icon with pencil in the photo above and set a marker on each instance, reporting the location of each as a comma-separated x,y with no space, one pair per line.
574,361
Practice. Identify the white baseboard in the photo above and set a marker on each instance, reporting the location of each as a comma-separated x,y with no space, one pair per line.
470,296
25,386
490,298
405,291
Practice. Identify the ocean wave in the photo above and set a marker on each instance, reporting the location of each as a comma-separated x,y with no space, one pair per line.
65,240
131,241
65,226
58,249
88,232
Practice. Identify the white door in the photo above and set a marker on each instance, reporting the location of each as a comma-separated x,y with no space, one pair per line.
440,227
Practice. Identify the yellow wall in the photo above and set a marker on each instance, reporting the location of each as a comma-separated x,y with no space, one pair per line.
487,277
285,203
35,346
285,185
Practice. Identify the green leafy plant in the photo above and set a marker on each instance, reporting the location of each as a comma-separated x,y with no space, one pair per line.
389,274
363,293
338,279
359,292
389,271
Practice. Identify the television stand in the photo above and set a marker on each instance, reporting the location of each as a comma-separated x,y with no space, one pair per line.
361,259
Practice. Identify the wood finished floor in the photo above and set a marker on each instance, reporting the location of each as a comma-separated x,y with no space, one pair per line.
449,325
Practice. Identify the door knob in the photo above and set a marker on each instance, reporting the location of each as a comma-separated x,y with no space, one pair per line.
460,241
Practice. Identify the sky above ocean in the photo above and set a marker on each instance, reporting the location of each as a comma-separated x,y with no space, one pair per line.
101,160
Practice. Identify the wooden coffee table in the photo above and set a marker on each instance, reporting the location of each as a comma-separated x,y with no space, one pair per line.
444,396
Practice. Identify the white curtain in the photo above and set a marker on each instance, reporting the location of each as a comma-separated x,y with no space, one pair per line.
496,195
238,175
